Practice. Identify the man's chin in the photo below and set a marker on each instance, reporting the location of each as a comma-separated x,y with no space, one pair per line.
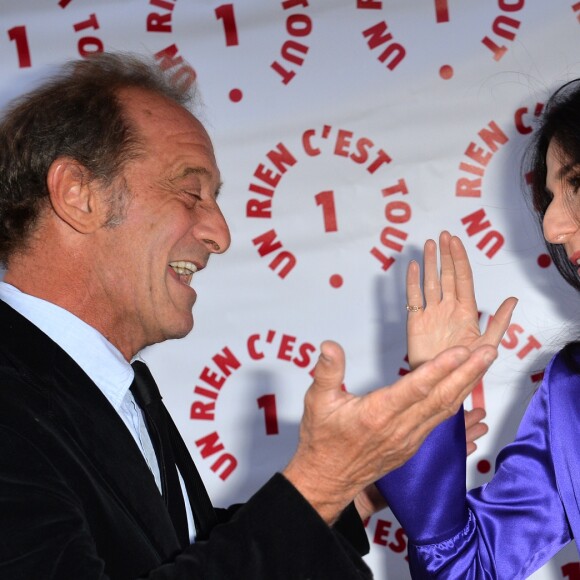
184,330
180,328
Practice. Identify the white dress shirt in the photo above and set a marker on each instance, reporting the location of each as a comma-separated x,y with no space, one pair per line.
100,360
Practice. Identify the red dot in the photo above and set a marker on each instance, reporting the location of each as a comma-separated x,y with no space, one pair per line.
483,466
544,260
236,95
336,280
446,72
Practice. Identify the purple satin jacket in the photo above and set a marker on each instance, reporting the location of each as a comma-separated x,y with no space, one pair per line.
514,524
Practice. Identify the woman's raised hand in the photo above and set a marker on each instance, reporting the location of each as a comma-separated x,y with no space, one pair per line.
443,313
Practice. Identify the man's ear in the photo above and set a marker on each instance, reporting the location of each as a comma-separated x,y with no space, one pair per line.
74,198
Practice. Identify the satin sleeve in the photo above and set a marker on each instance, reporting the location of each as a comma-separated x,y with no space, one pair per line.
507,528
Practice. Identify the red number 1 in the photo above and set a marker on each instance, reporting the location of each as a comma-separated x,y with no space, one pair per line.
268,403
18,35
226,13
441,11
326,200
571,570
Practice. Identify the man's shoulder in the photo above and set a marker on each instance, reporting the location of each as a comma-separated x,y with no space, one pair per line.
27,355
27,364
20,394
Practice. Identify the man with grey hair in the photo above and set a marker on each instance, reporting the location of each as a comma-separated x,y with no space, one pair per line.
108,207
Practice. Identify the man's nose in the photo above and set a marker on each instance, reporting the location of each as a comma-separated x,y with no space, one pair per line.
213,231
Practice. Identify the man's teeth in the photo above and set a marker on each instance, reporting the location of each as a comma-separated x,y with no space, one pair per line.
184,268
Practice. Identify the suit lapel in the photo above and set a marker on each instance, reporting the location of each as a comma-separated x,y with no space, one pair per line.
87,420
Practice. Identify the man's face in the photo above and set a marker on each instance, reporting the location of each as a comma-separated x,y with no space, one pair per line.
171,227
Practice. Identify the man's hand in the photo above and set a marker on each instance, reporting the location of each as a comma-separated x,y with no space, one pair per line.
348,442
449,316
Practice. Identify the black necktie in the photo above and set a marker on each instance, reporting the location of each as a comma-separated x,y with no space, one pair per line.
171,452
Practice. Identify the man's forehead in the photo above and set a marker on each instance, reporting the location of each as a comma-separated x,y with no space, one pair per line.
165,124
146,104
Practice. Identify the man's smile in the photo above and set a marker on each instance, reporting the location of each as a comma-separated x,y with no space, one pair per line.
184,270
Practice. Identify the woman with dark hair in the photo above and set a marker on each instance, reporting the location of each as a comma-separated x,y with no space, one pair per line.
530,509
559,134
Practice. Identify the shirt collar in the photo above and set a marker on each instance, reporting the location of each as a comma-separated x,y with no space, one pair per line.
99,359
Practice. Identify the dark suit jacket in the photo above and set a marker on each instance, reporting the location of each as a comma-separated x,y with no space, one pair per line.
77,500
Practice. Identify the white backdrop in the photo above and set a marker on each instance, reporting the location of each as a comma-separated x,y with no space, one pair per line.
348,132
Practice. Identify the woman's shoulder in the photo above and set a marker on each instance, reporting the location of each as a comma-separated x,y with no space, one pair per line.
562,374
569,357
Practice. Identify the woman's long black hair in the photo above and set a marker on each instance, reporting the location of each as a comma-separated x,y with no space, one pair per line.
560,123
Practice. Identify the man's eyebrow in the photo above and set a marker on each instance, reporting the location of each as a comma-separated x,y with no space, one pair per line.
197,171
191,170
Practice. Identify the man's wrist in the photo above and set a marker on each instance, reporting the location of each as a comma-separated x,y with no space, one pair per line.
327,500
